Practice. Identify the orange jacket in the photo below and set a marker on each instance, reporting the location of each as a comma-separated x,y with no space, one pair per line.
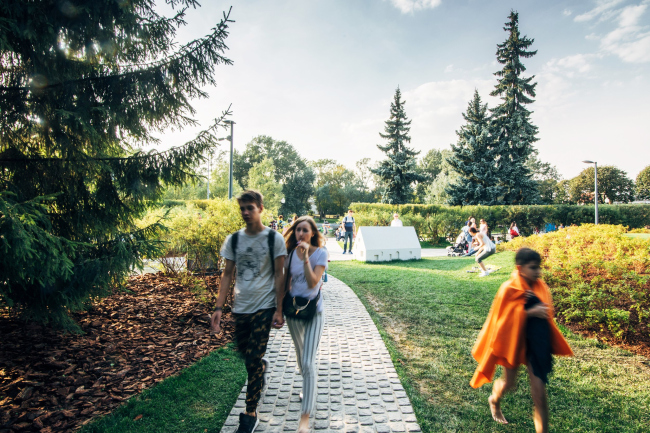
502,341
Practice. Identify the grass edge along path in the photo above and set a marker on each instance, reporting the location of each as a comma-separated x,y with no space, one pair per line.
429,313
198,399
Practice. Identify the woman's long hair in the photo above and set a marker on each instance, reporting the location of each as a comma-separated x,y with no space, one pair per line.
318,240
512,225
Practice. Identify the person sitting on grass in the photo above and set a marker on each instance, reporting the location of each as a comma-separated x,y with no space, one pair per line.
520,330
485,249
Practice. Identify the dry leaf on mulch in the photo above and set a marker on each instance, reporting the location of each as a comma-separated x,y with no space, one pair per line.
55,382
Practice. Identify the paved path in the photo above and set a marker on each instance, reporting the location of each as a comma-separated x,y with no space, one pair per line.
358,388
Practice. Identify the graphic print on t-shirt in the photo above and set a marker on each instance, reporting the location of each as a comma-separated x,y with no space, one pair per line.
249,262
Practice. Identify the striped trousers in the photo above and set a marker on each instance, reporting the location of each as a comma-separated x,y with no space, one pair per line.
306,337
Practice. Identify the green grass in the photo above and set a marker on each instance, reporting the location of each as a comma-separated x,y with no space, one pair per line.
423,244
199,399
429,313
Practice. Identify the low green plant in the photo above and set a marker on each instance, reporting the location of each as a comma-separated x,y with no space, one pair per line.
599,278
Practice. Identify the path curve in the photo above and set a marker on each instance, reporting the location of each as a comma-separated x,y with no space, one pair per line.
358,388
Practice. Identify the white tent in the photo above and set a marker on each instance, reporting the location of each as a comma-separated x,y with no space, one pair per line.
384,244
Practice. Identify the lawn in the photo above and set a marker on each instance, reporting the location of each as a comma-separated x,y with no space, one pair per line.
638,235
429,313
199,399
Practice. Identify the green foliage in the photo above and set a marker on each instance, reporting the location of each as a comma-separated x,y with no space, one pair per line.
297,191
261,178
474,159
643,184
598,276
511,130
198,229
547,178
446,221
285,157
336,187
613,186
399,171
81,88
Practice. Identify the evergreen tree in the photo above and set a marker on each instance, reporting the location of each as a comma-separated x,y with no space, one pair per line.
82,85
399,170
512,132
473,159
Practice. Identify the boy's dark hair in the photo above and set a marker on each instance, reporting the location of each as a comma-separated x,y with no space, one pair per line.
473,230
527,255
251,196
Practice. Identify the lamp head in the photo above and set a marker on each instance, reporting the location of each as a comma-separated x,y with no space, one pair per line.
229,122
589,162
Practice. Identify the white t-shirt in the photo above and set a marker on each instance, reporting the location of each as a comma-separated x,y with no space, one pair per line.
254,285
489,245
299,282
396,223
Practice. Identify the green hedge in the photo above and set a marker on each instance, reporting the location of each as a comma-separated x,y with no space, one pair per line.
438,221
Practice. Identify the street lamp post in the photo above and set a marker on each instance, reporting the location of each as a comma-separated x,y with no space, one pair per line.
595,186
230,172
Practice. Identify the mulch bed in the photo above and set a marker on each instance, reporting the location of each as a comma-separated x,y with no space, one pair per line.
51,381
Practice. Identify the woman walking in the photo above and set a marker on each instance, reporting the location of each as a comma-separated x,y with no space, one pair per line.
305,266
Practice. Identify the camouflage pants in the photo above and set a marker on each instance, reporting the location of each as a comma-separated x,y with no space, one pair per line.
252,335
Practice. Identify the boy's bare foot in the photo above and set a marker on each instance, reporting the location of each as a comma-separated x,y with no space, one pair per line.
495,408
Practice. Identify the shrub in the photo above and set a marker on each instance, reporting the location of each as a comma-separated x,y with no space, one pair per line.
446,221
197,230
599,278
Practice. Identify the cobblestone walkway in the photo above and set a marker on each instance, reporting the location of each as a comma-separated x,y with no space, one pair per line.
358,388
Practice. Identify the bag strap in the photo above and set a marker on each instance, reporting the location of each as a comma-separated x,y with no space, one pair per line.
271,243
233,243
287,279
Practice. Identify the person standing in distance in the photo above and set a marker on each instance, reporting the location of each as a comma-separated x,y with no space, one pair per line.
396,222
257,253
350,230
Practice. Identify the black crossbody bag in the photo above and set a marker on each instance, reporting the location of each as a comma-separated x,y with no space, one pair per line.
297,307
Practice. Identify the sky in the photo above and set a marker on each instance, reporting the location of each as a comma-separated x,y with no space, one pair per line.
320,74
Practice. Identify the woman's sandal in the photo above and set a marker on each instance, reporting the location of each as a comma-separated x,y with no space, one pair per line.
303,430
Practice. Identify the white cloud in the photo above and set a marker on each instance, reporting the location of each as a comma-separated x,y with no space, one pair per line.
449,69
602,6
409,6
566,12
629,40
570,64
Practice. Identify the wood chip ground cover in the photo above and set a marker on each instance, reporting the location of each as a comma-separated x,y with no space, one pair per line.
55,382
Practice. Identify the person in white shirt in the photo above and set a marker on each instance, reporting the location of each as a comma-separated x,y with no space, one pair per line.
486,249
396,222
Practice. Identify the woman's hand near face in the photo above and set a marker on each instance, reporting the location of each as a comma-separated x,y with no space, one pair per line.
302,250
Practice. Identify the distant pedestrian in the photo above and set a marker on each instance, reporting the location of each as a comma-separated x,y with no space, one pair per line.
520,330
485,249
306,264
514,230
257,253
396,222
350,231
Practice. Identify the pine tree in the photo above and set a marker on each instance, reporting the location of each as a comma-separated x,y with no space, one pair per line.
473,159
399,170
83,85
512,132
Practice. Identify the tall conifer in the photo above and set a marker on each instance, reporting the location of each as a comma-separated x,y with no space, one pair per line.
511,129
399,171
83,84
474,159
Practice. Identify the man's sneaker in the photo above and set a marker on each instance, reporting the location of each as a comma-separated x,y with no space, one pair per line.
265,375
483,274
247,423
300,395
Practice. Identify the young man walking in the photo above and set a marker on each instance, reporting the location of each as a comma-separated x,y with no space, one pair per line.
257,253
350,229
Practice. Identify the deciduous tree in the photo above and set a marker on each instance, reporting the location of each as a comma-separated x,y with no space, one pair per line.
643,184
613,186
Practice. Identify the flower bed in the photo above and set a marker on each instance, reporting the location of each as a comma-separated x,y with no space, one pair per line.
600,280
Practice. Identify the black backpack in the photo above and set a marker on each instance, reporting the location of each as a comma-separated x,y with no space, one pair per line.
271,244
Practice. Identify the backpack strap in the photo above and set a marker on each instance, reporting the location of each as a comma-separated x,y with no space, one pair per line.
233,244
271,241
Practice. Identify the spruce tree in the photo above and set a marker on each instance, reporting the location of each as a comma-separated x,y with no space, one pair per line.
511,129
473,159
83,86
399,171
